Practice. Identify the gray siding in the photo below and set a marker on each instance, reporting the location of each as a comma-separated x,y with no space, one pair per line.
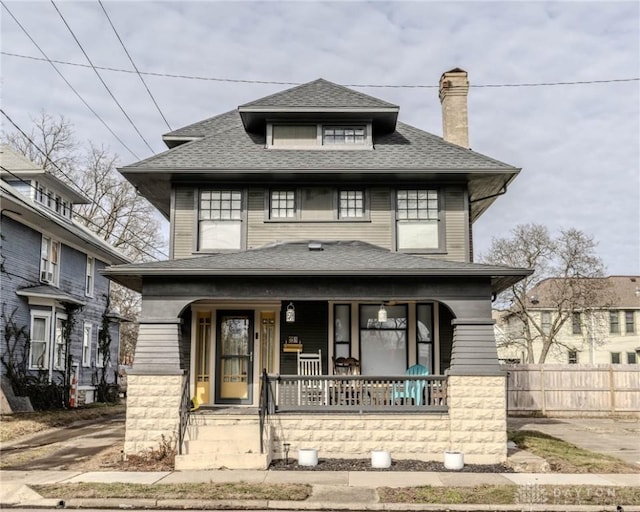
378,230
21,262
455,221
184,222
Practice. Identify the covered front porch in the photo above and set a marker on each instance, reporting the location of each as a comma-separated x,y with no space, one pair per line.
216,327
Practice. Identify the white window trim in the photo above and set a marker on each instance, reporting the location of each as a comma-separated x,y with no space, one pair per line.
46,315
86,343
48,273
90,276
59,316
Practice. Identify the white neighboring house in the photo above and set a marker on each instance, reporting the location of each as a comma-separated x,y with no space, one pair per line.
606,333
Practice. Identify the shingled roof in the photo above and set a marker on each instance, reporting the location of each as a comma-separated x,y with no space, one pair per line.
319,94
223,144
350,258
230,148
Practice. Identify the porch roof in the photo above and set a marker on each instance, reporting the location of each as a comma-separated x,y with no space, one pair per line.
46,291
304,258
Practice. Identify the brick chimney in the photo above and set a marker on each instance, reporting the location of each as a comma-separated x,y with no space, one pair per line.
454,88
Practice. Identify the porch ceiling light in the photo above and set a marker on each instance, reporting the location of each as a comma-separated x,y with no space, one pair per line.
382,314
290,315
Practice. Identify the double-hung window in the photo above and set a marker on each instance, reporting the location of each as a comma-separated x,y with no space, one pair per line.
629,322
417,217
220,220
545,320
572,356
49,261
282,204
351,204
39,343
614,322
90,275
576,323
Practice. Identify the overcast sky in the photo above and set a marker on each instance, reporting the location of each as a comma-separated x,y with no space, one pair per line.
578,145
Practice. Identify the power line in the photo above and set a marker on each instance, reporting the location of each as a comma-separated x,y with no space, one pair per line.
47,59
75,213
134,65
100,78
110,215
268,82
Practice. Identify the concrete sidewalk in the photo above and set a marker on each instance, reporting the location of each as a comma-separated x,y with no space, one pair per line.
331,490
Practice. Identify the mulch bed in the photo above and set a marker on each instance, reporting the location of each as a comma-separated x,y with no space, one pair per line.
396,465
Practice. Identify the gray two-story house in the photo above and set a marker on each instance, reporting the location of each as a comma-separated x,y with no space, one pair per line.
313,221
54,298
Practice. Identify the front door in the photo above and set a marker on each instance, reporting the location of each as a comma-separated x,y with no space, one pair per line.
235,357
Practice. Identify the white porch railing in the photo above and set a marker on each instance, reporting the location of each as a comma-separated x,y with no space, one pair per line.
360,393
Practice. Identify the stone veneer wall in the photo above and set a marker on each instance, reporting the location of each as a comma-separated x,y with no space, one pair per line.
478,416
476,425
153,410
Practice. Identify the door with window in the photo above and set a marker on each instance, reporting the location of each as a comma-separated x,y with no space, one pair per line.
234,364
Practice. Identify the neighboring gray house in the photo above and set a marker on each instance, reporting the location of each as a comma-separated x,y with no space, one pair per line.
314,220
51,274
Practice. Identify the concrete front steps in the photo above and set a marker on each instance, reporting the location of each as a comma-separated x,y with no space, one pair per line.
224,441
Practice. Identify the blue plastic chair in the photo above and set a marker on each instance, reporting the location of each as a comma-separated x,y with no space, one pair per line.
413,389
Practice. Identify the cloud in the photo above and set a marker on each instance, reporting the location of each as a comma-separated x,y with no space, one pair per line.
578,145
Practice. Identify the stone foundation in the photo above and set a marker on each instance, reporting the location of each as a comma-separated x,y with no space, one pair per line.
153,410
475,425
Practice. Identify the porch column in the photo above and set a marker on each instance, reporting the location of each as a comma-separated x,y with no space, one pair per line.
154,386
477,393
474,349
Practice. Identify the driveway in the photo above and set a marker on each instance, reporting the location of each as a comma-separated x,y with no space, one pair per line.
618,438
64,448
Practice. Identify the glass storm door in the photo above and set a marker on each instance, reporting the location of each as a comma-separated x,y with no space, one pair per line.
235,357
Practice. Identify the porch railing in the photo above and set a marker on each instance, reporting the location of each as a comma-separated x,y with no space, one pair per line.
360,393
185,408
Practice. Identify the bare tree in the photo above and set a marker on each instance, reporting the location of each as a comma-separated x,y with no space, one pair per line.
116,213
567,284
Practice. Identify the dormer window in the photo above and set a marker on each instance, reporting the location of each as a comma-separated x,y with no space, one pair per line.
318,136
343,135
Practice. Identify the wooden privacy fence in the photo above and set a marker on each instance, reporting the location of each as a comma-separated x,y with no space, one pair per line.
573,389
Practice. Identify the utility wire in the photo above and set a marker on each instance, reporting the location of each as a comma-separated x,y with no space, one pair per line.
47,59
266,82
74,213
100,78
111,215
134,66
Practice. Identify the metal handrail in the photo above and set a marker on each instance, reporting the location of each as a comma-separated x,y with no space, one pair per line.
266,405
185,408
